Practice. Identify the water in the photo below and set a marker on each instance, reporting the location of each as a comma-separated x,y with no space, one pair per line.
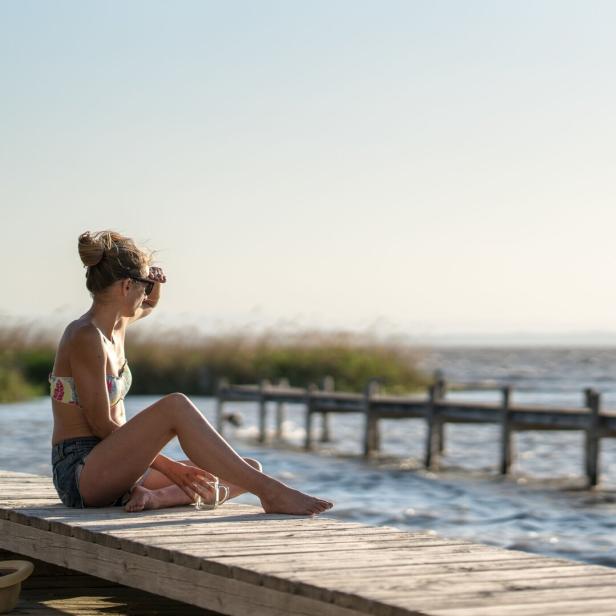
541,508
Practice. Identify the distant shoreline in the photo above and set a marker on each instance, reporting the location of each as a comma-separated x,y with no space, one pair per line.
418,335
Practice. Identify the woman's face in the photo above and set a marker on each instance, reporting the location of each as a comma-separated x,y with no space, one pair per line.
134,295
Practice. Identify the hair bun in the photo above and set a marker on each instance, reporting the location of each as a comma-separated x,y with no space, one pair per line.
91,249
108,255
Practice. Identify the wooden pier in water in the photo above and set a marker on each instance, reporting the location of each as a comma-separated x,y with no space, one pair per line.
434,408
237,560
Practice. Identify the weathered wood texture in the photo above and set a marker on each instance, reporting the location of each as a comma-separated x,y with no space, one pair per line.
238,560
57,591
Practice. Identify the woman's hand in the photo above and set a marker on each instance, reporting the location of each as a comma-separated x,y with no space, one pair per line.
190,479
157,274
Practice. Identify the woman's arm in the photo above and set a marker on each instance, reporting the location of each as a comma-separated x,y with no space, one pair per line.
149,303
161,463
88,365
186,476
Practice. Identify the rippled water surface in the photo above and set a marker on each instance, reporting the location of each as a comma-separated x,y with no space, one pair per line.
541,508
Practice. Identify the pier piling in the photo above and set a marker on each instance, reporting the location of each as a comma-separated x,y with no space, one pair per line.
280,410
592,437
371,426
221,384
506,432
309,414
431,433
327,384
263,387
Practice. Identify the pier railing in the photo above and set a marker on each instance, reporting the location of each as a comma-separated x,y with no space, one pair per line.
434,407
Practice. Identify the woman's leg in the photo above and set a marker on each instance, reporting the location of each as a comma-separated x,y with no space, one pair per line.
158,491
114,465
141,498
156,480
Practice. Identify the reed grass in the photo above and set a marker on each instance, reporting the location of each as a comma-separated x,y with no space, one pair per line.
26,357
175,359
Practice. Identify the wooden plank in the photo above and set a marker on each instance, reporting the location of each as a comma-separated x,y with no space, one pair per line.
117,529
426,587
285,578
366,588
223,592
25,494
8,508
368,557
194,555
429,592
128,526
224,515
331,537
492,570
585,607
7,479
52,590
263,536
170,546
150,537
228,512
438,600
284,581
131,523
260,547
448,556
227,509
242,531
15,475
13,484
74,522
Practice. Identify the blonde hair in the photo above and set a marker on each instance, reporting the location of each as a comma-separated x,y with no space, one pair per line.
110,256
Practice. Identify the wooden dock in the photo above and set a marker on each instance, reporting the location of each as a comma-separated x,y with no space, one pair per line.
238,560
434,408
57,591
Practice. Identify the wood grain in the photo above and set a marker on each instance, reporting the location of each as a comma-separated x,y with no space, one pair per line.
238,560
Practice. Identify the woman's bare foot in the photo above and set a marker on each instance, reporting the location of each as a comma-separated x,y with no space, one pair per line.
140,498
283,499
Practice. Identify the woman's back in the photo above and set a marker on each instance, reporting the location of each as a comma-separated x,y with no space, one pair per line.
69,419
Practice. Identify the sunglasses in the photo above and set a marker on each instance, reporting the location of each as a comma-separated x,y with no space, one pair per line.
149,284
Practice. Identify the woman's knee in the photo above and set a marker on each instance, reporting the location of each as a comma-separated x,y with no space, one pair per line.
178,399
170,409
254,463
177,403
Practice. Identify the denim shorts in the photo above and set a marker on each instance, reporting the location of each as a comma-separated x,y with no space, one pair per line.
67,459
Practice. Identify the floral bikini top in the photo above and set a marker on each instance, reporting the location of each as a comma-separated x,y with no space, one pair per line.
62,388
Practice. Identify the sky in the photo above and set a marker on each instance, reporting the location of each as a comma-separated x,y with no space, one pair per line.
441,169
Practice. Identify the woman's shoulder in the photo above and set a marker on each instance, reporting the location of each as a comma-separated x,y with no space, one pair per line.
81,332
78,336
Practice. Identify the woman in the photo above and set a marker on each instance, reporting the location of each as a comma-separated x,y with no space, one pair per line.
100,459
